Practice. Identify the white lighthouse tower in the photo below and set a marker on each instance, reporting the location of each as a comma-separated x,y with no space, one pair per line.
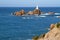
37,7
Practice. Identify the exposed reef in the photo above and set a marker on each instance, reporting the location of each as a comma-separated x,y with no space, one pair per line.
53,34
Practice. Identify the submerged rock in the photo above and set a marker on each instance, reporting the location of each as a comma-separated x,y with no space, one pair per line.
51,13
53,34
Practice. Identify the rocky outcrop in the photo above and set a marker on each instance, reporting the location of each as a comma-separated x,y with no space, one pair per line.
37,11
22,12
53,34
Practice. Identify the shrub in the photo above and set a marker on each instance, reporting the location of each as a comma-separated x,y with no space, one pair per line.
35,37
58,25
42,36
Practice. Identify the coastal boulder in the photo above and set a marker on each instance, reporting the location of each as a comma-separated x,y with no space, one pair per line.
52,26
17,13
37,11
20,13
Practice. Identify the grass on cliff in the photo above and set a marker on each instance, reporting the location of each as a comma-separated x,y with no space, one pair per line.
42,36
58,25
36,37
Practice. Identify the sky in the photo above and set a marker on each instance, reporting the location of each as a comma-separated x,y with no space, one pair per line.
29,3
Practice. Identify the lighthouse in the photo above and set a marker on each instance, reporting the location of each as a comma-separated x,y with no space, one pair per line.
37,7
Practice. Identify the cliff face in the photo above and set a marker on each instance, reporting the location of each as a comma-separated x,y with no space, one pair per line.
53,34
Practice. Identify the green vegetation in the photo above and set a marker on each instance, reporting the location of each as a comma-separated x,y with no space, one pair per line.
58,25
35,37
42,36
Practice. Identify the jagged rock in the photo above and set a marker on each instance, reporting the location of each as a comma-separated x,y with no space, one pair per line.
53,34
22,12
37,11
17,13
52,26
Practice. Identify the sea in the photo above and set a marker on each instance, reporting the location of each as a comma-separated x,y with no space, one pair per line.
23,27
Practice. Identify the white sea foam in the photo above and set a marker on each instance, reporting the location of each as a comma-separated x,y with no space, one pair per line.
23,17
57,13
28,17
45,14
40,16
57,16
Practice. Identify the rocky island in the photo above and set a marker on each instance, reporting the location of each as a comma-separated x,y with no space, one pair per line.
36,11
53,34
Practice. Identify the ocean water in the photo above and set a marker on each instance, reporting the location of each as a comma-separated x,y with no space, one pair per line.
24,28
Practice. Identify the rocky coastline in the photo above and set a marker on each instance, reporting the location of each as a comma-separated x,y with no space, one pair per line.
53,34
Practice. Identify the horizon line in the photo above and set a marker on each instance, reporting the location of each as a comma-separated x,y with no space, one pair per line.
28,6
